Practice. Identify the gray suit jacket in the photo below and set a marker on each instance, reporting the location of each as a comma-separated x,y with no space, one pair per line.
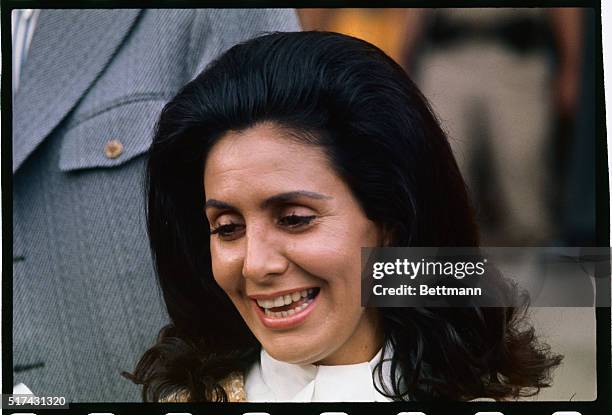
85,302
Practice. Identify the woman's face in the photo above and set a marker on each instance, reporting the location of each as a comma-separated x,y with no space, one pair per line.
286,234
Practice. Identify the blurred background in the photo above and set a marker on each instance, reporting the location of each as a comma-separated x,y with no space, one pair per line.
514,90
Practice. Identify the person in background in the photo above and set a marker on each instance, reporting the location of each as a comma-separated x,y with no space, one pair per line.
489,75
88,86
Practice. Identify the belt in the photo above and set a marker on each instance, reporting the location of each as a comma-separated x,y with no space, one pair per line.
519,34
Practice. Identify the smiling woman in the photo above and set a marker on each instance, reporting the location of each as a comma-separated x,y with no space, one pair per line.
267,175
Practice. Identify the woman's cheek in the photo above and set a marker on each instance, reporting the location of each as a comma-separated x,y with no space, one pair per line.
323,257
226,268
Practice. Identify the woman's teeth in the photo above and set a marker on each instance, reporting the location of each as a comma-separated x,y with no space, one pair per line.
290,312
285,299
302,299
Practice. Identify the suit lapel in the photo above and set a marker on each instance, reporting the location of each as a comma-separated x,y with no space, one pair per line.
69,49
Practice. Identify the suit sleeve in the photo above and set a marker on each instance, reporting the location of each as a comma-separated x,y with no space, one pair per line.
215,30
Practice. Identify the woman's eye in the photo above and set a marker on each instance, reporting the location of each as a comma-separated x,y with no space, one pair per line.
295,221
227,231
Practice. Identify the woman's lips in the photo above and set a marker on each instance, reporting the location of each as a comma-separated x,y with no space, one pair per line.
290,314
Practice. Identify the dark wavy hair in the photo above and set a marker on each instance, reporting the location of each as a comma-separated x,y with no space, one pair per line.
346,96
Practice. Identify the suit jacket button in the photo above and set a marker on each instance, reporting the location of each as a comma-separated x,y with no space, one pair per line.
113,149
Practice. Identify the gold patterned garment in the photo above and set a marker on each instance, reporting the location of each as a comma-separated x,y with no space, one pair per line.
233,385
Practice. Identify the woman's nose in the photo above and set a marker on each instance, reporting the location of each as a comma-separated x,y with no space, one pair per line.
264,257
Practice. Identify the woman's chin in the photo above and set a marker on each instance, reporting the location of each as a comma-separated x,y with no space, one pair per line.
294,355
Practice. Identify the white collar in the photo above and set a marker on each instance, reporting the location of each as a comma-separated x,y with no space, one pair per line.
271,380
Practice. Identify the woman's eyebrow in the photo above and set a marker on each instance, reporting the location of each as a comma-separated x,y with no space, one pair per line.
289,196
279,198
218,204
